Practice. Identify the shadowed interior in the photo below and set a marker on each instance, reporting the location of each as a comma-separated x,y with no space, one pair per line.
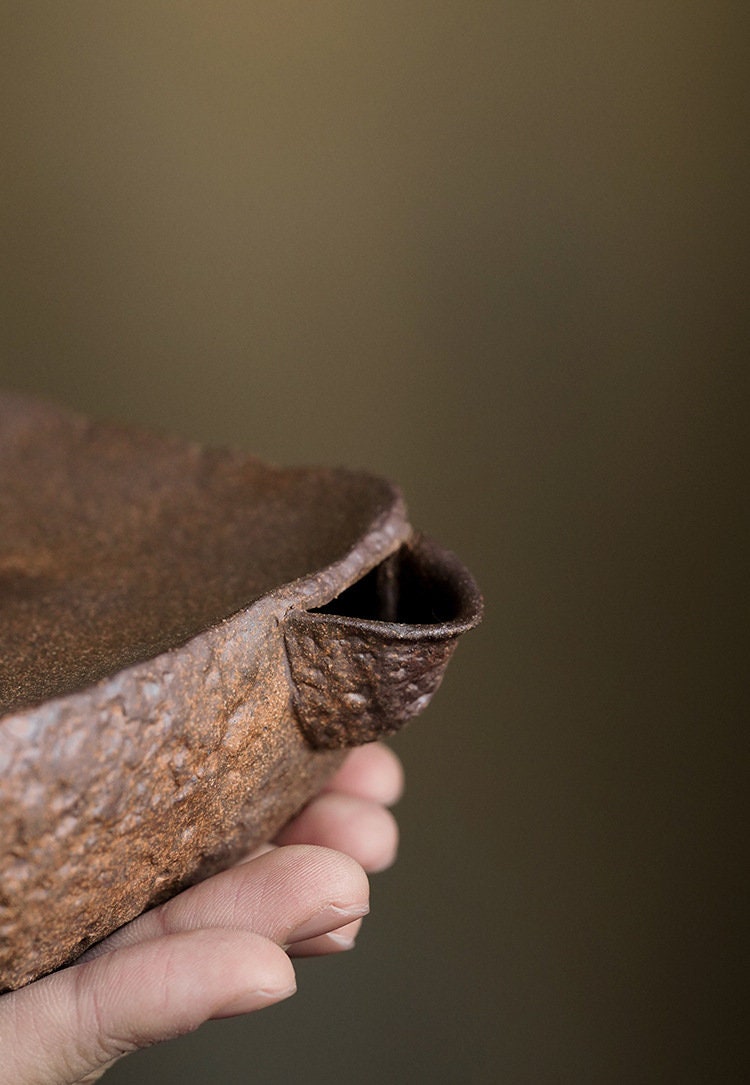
404,589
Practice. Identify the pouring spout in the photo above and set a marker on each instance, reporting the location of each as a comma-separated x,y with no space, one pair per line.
372,658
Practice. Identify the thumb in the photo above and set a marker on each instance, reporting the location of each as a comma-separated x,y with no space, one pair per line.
71,1026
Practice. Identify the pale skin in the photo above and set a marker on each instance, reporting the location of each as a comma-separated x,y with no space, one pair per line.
220,949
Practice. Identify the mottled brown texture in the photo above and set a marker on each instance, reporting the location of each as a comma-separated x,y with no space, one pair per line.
116,544
187,639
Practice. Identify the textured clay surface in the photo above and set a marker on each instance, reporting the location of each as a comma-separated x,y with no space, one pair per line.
188,639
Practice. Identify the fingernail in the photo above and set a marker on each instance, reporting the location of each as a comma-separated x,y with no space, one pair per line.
253,1000
341,941
327,919
278,995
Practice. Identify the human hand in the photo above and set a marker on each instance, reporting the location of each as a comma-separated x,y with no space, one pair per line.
219,949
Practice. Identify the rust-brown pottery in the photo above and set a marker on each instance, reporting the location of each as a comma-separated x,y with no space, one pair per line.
189,641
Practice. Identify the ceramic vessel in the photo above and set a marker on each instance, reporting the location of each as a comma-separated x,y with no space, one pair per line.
189,641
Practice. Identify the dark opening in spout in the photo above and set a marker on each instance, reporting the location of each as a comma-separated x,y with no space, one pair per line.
401,589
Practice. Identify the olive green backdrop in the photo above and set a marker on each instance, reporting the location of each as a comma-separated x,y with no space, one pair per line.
494,250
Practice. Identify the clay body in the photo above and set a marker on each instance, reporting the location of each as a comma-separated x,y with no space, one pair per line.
189,641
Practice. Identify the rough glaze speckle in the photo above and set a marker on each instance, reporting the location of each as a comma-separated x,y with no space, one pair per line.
171,695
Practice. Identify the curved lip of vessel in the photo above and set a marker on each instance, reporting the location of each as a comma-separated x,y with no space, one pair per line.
468,604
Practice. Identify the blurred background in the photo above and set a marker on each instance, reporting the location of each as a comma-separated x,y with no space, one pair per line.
496,251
